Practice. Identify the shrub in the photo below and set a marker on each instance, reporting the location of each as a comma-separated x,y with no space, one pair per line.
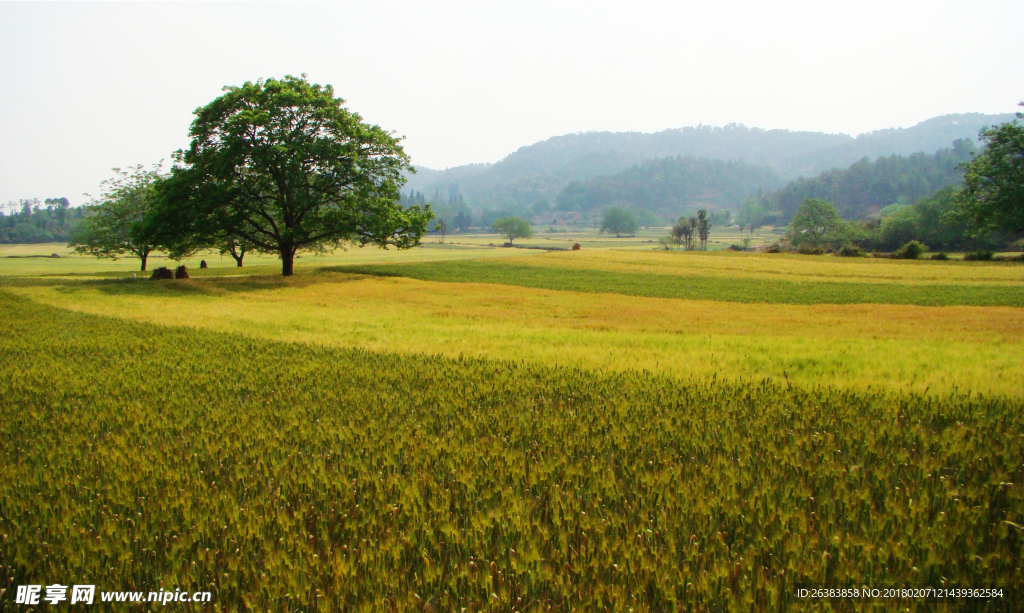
849,251
911,251
939,256
575,246
808,250
979,256
773,248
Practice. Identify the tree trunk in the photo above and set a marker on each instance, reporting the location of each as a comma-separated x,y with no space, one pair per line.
287,261
237,255
144,256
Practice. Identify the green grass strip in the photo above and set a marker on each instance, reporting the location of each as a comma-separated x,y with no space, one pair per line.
726,289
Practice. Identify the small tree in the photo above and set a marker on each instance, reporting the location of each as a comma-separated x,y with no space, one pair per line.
513,228
682,233
703,228
817,223
688,229
442,229
911,251
619,221
116,223
677,233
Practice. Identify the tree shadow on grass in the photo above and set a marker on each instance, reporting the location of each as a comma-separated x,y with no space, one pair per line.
192,287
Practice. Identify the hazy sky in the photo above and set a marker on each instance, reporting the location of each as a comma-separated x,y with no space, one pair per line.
85,87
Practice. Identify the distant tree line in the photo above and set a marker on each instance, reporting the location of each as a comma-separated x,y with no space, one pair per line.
32,221
985,212
864,188
451,213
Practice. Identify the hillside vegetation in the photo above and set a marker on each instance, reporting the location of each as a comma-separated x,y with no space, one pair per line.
541,170
868,186
670,186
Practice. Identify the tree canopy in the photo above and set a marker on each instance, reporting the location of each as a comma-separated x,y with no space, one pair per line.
817,223
619,221
513,228
282,165
117,223
992,199
865,187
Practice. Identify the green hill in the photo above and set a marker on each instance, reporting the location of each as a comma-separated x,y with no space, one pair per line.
540,171
669,187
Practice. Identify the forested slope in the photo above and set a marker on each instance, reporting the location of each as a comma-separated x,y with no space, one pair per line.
542,170
670,186
868,186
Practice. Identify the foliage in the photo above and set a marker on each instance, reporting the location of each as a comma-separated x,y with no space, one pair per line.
911,251
668,185
453,211
305,477
545,168
683,233
979,256
647,219
28,222
283,165
993,196
513,228
116,223
619,221
752,212
817,223
931,221
703,228
850,251
810,250
868,186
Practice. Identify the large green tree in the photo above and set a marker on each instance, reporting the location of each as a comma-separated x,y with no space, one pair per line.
992,199
513,228
115,224
619,221
817,223
282,165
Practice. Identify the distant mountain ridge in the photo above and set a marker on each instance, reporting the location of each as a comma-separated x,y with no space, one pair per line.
540,171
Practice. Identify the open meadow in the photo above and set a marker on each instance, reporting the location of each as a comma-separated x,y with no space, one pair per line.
459,427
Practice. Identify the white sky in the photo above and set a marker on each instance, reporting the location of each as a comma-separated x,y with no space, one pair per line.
85,87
